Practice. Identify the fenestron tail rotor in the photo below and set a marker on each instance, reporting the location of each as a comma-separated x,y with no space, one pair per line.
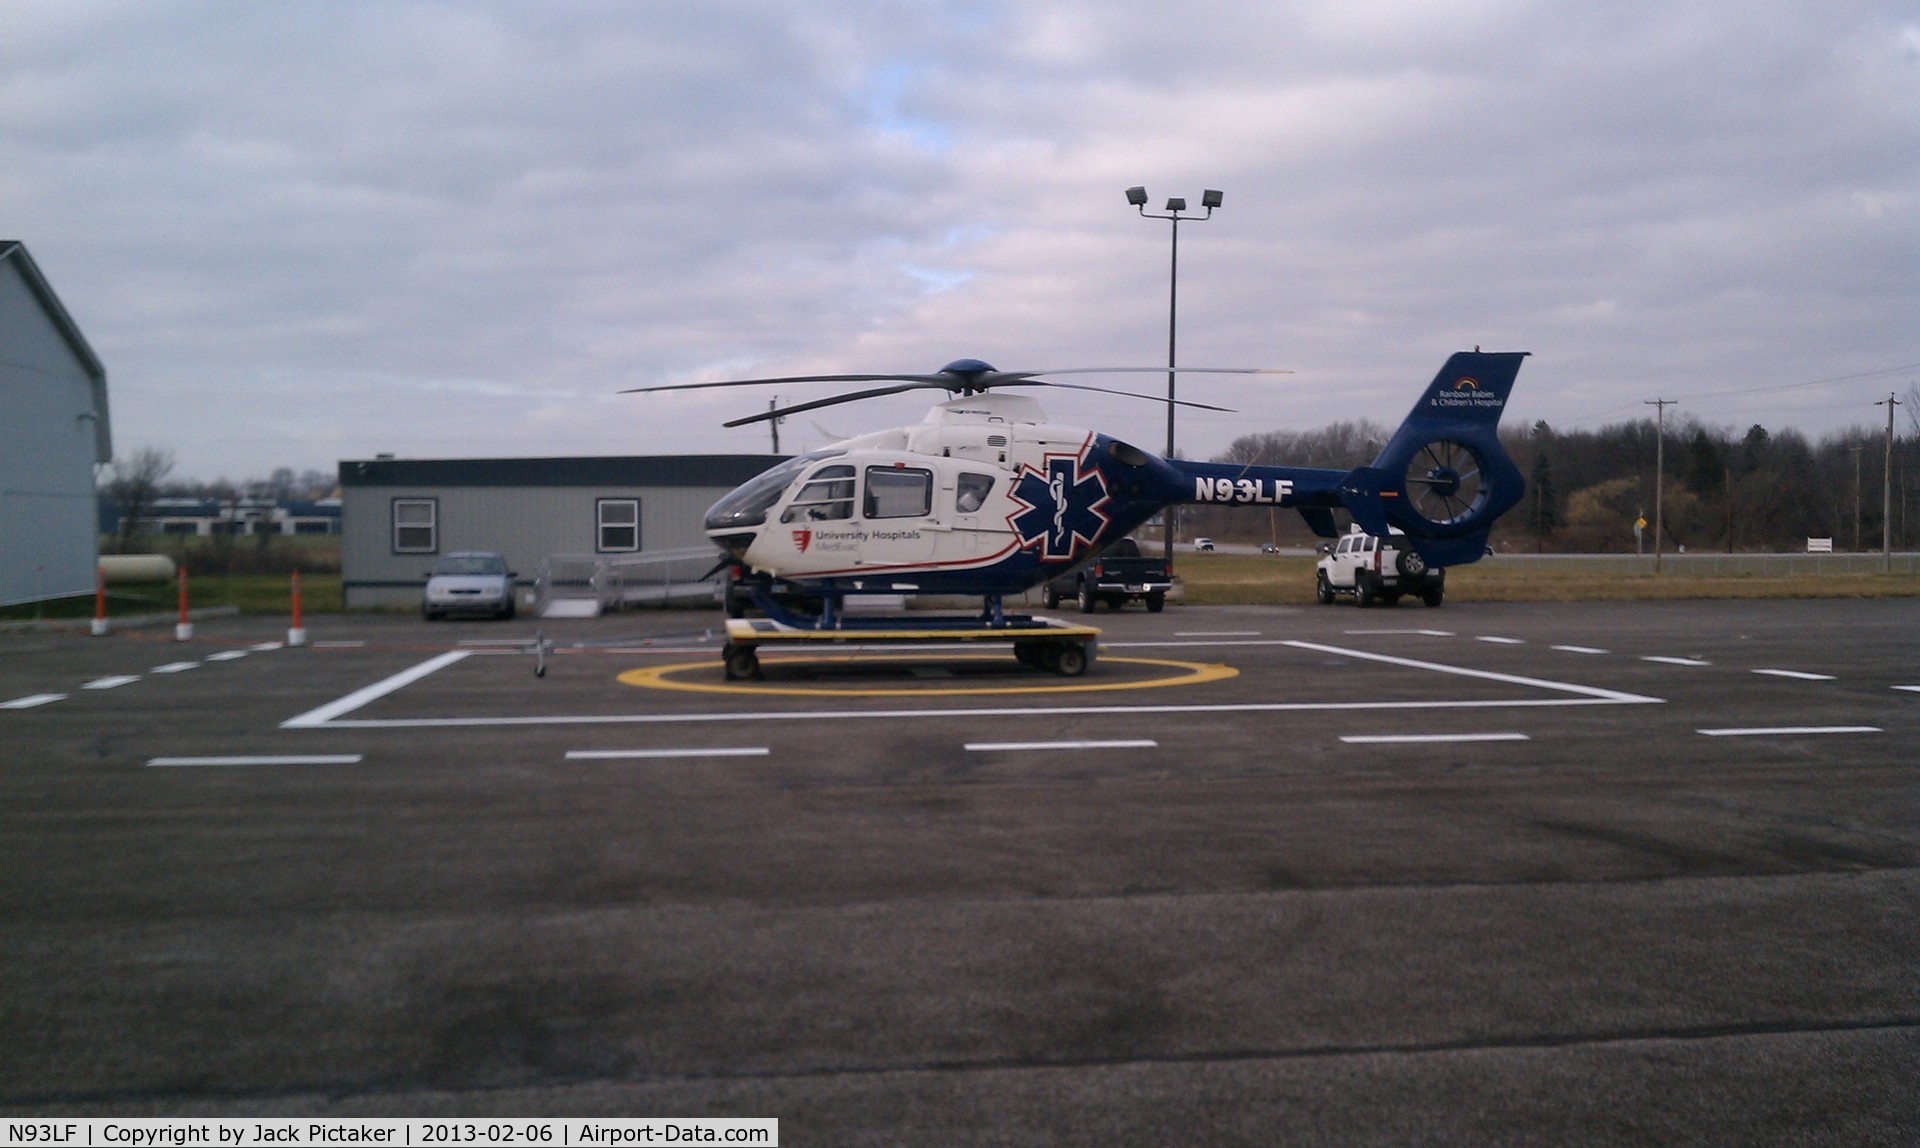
1445,482
961,377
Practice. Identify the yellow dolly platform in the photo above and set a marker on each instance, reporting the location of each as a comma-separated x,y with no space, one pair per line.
1040,642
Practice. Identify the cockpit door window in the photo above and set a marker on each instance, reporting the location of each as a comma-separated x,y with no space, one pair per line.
899,492
827,496
970,492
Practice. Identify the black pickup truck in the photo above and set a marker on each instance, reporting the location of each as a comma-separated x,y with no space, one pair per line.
1116,575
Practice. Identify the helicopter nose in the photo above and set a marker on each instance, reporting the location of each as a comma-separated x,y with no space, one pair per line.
734,544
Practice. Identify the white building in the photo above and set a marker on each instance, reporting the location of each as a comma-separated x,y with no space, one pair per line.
399,515
53,432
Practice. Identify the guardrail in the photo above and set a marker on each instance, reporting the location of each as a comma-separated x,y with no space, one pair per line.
664,576
585,585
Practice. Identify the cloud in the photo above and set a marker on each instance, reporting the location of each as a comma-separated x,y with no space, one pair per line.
299,233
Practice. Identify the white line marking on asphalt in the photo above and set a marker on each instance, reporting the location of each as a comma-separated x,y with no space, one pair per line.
1581,649
1428,738
1789,730
1664,660
1615,696
284,759
1909,689
619,754
1216,633
174,667
1188,643
1797,675
494,642
338,645
380,689
329,716
993,746
111,681
993,712
32,700
266,647
226,655
1422,633
1501,641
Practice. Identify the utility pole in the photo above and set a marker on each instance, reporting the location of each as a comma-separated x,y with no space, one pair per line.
1729,489
1886,493
1857,452
774,423
1659,475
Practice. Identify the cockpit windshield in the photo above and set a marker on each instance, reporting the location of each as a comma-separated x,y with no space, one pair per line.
748,505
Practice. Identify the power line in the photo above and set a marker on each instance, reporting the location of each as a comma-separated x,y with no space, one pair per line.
1881,373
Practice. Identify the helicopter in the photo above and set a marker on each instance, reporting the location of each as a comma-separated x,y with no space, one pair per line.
986,497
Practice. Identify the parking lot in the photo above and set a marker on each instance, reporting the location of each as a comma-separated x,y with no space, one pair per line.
1594,872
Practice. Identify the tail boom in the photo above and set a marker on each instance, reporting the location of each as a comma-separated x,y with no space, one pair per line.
1442,479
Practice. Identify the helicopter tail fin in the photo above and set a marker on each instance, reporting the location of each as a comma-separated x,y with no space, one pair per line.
1444,477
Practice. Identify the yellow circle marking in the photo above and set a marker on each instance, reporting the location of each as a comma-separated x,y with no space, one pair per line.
657,678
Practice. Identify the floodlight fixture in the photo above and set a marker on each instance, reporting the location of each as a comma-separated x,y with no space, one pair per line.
1209,199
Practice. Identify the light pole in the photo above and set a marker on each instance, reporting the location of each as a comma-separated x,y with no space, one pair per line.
1209,199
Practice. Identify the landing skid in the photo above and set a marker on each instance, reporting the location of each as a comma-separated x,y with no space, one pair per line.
1043,643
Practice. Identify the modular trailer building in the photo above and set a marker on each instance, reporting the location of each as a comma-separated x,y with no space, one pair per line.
53,432
399,515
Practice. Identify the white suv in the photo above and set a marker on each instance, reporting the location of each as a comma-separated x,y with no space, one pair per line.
1374,569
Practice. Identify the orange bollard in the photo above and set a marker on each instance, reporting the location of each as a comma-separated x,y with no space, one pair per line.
99,601
183,631
296,634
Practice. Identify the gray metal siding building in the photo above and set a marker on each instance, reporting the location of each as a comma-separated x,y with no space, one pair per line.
53,432
399,515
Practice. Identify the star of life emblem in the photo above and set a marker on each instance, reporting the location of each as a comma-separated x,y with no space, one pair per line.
1063,504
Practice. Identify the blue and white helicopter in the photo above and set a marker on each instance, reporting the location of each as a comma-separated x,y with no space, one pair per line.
986,497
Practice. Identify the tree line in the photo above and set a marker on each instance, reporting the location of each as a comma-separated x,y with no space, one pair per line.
1757,490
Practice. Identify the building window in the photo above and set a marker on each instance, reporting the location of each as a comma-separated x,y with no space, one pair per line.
619,522
899,492
416,525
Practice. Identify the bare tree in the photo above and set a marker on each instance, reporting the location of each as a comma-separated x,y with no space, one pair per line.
135,485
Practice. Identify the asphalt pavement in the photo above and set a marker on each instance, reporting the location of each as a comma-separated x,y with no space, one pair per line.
1589,873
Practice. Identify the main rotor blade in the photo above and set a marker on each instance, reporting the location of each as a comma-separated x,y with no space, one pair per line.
938,380
1122,394
1164,370
835,401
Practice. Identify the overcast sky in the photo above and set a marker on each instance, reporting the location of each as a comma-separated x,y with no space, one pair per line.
304,232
